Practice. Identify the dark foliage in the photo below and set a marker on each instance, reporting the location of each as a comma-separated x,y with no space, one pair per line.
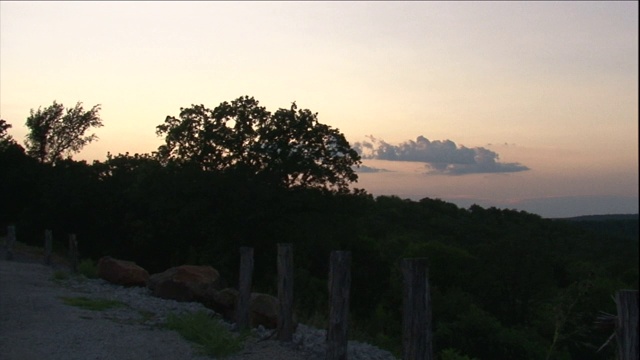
287,148
505,284
54,132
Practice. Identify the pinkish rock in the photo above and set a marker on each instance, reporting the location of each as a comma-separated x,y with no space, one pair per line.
184,283
122,272
264,310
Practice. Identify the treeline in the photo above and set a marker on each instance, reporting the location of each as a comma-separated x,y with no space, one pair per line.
504,284
623,225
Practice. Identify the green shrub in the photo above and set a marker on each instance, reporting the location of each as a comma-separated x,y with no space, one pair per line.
211,337
60,275
88,268
453,354
146,315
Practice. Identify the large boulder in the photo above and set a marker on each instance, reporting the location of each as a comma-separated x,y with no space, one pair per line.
263,307
122,272
264,310
223,302
184,283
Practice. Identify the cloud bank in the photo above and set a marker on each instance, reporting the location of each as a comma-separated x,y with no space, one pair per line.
369,169
439,157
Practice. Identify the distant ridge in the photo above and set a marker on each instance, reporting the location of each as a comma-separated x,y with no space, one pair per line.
623,226
602,217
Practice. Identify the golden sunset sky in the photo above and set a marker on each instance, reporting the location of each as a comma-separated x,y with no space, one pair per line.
543,95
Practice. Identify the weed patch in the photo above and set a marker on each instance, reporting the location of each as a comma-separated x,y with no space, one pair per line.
88,268
60,275
145,315
211,337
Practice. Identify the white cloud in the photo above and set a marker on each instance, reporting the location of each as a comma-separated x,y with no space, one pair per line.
439,157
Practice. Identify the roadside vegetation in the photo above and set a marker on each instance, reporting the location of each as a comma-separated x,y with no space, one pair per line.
207,333
88,269
60,275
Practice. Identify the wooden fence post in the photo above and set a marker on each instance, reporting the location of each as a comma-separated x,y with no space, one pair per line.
48,246
627,324
244,288
285,292
11,239
416,316
73,253
339,288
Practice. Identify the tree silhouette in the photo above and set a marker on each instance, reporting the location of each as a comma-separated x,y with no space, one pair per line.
289,147
54,133
6,140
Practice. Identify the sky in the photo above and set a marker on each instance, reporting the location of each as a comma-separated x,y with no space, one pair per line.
520,105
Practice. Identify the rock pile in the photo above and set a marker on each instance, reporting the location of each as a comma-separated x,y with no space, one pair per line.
191,283
200,285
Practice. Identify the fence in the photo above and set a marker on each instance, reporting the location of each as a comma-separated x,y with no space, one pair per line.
417,322
417,310
11,240
627,324
73,254
417,327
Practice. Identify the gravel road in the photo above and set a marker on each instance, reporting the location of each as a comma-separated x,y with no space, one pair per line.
36,324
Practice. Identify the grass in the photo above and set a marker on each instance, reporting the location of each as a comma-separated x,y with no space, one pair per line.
92,304
210,336
88,268
58,255
60,275
145,315
453,354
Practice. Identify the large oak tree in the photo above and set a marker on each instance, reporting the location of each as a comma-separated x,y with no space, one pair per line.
289,147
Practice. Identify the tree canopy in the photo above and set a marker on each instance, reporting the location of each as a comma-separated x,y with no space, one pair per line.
54,133
289,147
504,284
5,139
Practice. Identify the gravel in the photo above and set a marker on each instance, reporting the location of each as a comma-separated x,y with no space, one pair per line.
36,324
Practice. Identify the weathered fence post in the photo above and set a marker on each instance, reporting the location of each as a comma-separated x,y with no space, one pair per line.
244,288
416,316
73,253
339,288
11,239
285,292
48,246
627,324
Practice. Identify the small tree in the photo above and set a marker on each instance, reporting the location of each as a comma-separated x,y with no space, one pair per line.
5,139
54,133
